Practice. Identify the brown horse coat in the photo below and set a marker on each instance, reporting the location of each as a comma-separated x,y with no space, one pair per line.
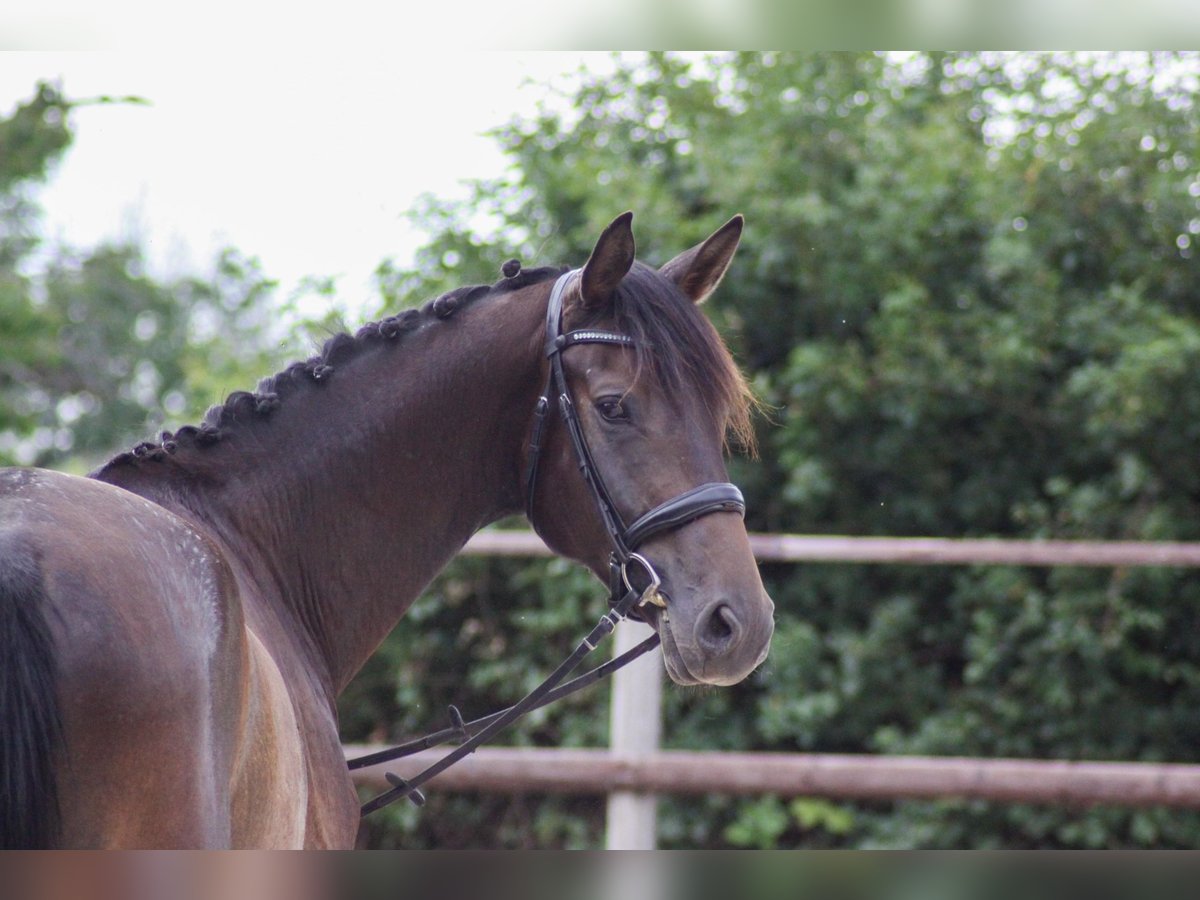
175,629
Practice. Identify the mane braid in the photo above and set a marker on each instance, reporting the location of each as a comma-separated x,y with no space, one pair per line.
675,343
244,406
521,278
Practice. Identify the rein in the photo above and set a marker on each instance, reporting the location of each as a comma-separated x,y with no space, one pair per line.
625,600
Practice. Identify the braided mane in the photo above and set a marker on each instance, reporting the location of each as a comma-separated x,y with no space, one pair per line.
676,343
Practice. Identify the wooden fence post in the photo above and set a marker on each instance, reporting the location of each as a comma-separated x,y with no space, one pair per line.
635,728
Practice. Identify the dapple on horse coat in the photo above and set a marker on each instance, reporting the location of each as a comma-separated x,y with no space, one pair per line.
176,627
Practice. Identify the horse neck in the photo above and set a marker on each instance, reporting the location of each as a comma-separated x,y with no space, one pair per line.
345,503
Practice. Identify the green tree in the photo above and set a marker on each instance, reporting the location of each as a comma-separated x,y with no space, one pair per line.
94,352
967,293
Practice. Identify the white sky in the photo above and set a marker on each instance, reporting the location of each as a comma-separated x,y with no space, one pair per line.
307,161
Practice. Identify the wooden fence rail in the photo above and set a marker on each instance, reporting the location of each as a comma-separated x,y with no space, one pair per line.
514,770
540,771
911,551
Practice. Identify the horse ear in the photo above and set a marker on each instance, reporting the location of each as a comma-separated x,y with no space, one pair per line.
698,271
610,261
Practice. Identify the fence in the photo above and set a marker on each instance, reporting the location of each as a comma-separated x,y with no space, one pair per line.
633,769
586,772
908,551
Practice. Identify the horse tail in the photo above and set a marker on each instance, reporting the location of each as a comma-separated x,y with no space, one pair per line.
31,733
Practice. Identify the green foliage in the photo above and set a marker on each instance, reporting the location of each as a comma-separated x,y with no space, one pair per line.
34,137
481,637
967,294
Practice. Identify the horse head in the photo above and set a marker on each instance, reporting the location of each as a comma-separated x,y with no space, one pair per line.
630,479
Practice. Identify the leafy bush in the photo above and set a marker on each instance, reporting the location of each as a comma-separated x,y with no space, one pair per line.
967,294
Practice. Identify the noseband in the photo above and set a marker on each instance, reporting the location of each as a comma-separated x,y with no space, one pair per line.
625,540
625,598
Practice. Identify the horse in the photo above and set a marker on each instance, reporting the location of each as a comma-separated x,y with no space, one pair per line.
176,626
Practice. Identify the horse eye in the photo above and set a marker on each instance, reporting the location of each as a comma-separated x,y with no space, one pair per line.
611,409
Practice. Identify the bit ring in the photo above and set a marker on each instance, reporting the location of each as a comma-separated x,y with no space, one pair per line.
651,594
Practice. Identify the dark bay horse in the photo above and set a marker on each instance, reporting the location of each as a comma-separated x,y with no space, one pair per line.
175,628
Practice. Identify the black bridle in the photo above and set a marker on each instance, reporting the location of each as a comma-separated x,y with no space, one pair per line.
624,598
679,510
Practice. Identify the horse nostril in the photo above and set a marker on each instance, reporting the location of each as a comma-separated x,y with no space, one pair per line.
718,629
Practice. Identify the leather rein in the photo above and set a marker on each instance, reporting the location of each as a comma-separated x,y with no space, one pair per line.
625,600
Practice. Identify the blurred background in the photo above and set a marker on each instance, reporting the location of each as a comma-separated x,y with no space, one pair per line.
967,295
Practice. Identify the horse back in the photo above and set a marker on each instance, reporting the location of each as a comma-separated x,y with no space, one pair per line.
137,659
